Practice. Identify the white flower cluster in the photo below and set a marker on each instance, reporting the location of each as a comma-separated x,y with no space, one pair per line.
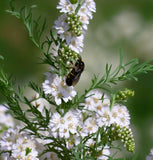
71,126
6,119
71,25
56,87
96,113
100,103
64,126
18,145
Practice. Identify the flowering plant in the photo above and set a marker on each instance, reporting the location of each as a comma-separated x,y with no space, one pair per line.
59,123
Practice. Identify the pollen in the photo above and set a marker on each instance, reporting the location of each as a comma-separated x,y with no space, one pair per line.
69,118
95,100
99,107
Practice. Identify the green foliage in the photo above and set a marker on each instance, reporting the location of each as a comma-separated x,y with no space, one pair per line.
79,6
38,122
36,28
5,86
36,31
33,26
28,150
121,96
127,71
73,1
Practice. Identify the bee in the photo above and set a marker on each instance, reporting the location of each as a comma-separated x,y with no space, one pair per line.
74,76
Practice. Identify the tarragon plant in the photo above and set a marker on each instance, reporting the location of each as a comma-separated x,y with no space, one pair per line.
57,122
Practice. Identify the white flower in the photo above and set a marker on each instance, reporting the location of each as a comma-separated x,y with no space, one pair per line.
120,115
41,103
94,101
76,43
103,117
5,118
66,6
90,5
62,27
55,86
49,156
63,126
85,21
85,12
89,126
104,154
21,145
90,142
84,18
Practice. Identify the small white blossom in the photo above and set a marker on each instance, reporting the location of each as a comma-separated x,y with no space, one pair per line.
76,43
103,117
62,26
90,5
56,86
41,104
63,126
90,142
85,14
66,6
49,156
104,154
89,126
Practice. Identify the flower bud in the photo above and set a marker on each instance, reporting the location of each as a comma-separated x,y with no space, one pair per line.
123,95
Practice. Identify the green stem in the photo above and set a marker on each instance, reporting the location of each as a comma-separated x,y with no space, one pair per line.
78,7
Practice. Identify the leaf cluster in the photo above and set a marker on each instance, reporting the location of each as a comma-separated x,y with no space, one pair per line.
33,26
127,71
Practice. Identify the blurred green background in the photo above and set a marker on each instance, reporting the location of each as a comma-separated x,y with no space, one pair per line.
117,24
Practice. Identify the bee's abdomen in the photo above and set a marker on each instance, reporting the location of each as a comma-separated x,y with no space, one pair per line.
70,78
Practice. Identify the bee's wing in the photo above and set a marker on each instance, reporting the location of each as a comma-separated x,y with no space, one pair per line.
76,79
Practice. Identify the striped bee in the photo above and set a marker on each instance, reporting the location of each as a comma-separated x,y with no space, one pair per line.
74,76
